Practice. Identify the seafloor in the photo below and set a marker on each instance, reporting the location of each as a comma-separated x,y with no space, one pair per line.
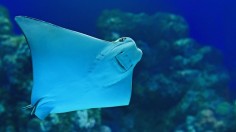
180,85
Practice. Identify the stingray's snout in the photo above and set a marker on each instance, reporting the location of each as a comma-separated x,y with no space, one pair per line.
135,53
139,54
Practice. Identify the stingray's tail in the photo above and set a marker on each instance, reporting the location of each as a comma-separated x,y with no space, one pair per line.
38,111
33,107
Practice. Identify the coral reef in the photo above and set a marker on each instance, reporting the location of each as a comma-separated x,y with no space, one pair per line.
179,85
15,88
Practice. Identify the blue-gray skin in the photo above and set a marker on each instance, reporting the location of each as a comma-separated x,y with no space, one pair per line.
74,71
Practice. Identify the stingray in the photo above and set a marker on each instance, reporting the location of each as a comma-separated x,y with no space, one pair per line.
73,71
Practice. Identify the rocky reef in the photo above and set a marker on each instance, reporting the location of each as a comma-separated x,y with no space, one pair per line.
180,85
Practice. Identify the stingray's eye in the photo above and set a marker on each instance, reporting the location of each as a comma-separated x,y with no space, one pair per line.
122,39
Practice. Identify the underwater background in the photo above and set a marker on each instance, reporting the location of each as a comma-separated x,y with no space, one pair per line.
185,82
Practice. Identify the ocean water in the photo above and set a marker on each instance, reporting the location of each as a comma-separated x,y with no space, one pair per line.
211,23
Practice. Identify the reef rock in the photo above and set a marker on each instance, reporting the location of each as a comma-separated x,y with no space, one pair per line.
177,80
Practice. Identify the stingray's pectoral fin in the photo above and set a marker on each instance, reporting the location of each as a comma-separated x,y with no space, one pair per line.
42,112
42,109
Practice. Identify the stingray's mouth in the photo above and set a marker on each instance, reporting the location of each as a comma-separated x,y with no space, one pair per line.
120,65
123,61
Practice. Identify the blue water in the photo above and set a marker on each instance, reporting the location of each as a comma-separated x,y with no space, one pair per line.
211,22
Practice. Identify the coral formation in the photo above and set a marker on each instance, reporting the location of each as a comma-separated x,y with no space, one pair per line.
179,85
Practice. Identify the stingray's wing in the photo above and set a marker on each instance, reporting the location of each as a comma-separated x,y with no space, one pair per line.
59,55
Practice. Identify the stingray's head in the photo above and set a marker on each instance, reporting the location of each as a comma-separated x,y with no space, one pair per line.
118,63
127,53
128,46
